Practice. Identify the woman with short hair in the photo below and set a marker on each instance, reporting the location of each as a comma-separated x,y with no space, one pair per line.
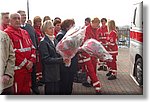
46,18
50,59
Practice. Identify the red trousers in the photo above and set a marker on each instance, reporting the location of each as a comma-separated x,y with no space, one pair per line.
22,82
88,66
112,65
94,62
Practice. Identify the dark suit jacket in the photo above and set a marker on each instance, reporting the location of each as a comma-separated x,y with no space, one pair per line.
50,60
32,34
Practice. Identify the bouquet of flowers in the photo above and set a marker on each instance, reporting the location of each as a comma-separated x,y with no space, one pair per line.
70,43
95,48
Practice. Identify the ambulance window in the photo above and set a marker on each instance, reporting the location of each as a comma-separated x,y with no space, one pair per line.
134,16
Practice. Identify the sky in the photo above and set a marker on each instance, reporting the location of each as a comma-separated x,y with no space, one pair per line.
118,10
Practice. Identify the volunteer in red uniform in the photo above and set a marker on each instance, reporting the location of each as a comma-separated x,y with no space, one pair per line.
5,20
85,81
102,35
86,61
112,49
37,22
37,26
24,52
91,32
57,26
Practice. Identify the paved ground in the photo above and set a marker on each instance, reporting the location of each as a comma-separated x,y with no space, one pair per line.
123,85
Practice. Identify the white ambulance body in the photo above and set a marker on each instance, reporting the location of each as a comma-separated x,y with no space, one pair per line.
136,44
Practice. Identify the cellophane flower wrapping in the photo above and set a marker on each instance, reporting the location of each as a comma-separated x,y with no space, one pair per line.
95,48
70,43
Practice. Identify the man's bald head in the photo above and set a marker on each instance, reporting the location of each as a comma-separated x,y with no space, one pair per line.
15,20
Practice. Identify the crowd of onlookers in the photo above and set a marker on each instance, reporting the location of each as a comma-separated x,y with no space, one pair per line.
29,58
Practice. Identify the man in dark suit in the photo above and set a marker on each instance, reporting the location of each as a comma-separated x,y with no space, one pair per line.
33,37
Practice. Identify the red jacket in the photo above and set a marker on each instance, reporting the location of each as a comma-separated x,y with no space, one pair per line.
38,33
23,47
102,34
112,43
90,33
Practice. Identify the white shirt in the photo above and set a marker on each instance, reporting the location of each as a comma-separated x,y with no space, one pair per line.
51,38
23,25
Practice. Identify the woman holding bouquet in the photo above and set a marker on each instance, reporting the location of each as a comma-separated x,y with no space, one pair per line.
67,73
112,49
50,59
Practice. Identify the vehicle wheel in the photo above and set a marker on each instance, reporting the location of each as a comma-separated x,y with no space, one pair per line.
139,71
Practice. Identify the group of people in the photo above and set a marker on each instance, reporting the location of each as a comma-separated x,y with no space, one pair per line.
29,55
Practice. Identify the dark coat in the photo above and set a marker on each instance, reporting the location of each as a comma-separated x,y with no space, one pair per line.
50,60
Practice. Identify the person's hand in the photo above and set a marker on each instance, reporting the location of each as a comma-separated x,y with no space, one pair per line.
5,79
67,61
80,50
29,65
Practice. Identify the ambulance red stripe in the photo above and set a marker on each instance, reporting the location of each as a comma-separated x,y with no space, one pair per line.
136,36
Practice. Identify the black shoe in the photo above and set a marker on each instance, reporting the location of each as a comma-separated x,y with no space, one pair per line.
86,84
109,73
99,93
112,77
35,90
104,68
100,68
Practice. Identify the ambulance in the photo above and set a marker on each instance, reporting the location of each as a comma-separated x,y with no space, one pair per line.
136,44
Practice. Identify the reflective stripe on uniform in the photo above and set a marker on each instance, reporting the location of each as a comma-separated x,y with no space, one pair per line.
84,60
112,44
33,55
97,88
94,84
102,37
114,70
39,73
23,49
21,65
112,52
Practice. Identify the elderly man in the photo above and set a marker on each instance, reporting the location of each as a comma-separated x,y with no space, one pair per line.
5,20
25,55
